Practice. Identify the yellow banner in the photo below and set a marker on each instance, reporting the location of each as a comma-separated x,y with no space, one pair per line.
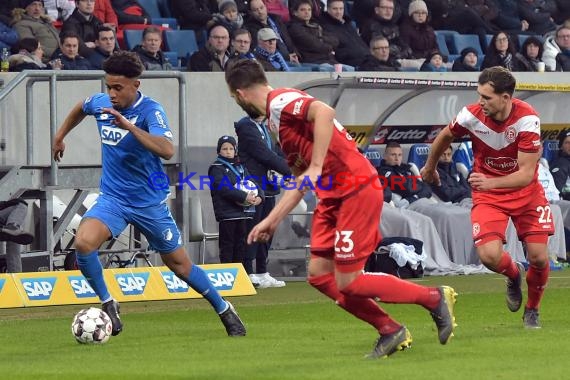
543,87
125,284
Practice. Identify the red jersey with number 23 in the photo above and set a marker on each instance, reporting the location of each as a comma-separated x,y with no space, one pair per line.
496,144
287,110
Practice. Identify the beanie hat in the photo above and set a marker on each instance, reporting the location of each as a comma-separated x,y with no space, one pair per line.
417,5
25,3
562,136
468,50
225,4
226,139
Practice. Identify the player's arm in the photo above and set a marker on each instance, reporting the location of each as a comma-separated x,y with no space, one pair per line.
322,117
520,178
159,145
440,144
75,116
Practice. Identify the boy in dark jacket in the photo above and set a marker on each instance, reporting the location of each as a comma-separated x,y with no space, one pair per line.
231,203
454,187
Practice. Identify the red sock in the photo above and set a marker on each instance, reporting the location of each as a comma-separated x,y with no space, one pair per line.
363,308
391,289
507,267
536,279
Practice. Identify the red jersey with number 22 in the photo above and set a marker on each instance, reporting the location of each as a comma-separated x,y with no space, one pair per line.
287,110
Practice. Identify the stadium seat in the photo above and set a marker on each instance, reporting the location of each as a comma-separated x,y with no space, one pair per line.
417,157
166,22
461,41
463,158
157,18
164,7
133,37
549,150
181,41
172,57
442,44
197,233
374,156
447,35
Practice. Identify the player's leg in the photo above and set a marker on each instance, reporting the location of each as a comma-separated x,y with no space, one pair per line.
536,277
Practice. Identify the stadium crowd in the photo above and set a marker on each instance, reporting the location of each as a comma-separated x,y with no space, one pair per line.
292,35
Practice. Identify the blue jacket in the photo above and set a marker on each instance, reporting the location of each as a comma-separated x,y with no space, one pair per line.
454,188
8,36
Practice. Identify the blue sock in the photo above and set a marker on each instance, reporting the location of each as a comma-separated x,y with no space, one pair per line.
201,283
92,270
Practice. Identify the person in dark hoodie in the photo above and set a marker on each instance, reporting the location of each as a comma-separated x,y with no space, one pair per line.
84,24
467,61
105,45
560,167
149,50
379,58
453,187
231,203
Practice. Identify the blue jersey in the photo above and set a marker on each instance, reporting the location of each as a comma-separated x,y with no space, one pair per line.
127,164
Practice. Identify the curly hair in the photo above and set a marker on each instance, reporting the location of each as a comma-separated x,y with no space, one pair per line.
124,63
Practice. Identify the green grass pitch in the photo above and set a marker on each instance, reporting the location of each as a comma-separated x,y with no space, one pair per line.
295,333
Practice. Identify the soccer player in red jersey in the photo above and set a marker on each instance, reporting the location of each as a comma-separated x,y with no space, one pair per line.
506,140
345,228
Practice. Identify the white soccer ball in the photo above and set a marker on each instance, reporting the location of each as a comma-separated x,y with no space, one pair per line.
91,325
246,186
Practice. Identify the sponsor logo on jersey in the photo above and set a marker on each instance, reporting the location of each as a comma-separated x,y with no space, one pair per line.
511,134
167,234
81,287
112,135
173,283
297,106
132,284
222,279
160,119
476,229
38,289
503,164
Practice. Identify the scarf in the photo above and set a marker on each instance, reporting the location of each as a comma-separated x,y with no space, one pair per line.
276,59
507,61
273,26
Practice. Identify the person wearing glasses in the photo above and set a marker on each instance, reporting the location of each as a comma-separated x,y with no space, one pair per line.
556,55
416,32
379,58
215,54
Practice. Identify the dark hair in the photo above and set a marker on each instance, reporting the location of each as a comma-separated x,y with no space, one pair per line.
393,144
105,28
215,24
124,63
535,41
28,44
244,73
150,30
500,78
69,34
298,3
492,48
239,32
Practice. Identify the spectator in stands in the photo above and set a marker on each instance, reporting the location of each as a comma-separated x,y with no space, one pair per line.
563,11
556,55
59,10
509,19
266,51
454,187
379,58
69,55
6,8
193,14
531,54
560,167
228,16
104,11
434,62
8,36
384,23
314,45
29,57
31,22
84,24
149,50
467,61
363,11
215,54
130,12
501,52
259,18
538,14
241,45
351,49
486,9
105,45
416,32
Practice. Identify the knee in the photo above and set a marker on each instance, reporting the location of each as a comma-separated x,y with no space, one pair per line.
84,244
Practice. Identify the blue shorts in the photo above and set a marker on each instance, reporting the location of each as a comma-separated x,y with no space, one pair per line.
155,222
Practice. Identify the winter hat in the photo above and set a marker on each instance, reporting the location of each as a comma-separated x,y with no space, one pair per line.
466,51
562,136
25,3
432,53
226,139
225,4
416,6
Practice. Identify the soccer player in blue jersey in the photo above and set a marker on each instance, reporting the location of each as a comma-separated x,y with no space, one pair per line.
135,136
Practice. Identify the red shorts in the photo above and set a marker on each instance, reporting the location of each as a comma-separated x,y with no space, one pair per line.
528,208
348,229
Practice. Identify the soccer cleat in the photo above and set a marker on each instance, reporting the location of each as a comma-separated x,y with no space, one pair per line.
514,291
266,281
530,319
112,309
387,344
230,318
443,315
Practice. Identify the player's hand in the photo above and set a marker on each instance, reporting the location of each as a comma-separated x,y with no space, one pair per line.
478,181
120,121
430,176
57,150
261,232
313,173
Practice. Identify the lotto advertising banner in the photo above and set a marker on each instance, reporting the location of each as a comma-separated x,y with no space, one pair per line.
136,284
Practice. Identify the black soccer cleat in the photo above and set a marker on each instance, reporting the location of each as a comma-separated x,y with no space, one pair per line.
514,291
388,344
530,319
233,324
443,314
112,309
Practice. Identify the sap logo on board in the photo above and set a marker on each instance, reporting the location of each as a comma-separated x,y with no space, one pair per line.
38,289
81,287
173,283
132,284
222,279
2,281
